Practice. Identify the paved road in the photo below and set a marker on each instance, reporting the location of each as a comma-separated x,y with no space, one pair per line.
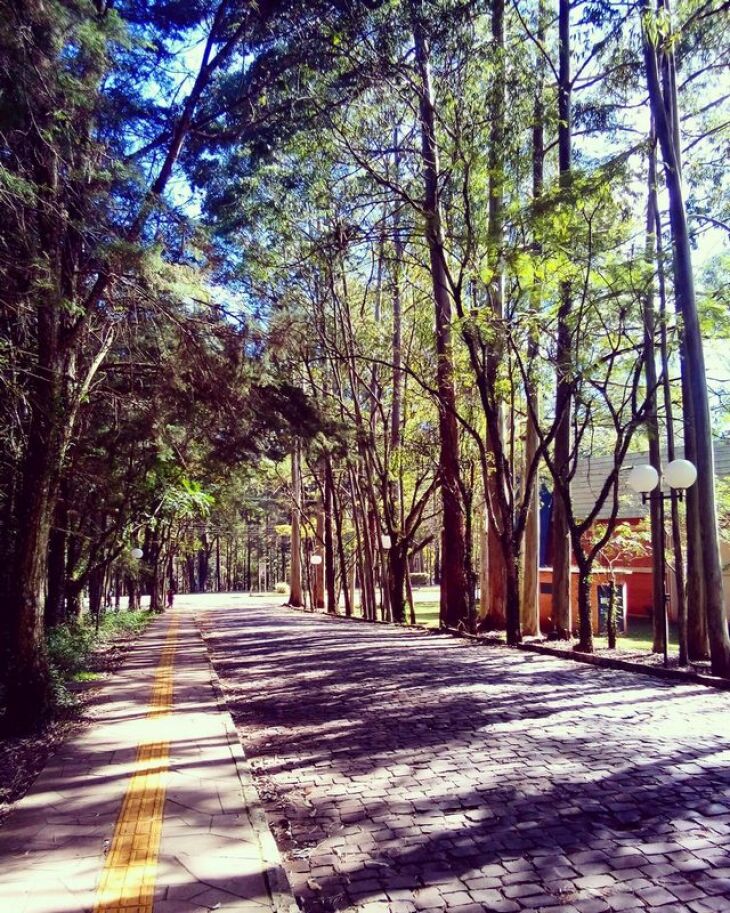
404,771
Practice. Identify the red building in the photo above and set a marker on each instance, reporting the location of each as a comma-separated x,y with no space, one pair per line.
631,566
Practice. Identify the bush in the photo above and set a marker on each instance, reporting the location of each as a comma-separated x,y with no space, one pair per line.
420,578
69,647
114,624
282,588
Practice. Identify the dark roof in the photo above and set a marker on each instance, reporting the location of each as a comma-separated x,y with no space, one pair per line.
592,473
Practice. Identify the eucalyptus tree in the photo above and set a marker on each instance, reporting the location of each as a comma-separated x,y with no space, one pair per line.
661,77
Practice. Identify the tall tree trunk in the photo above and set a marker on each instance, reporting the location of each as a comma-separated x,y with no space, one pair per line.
656,512
341,556
55,607
397,569
190,569
530,598
563,397
663,103
96,593
453,556
497,576
585,628
678,551
295,577
318,573
329,541
203,562
484,600
132,594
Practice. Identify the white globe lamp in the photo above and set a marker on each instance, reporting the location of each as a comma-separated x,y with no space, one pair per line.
643,479
315,559
680,474
137,553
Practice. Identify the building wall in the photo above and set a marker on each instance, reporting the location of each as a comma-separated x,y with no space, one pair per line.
599,579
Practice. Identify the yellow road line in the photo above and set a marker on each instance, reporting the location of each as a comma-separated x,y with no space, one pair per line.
128,877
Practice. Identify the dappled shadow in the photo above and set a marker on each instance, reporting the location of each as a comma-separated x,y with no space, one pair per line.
391,761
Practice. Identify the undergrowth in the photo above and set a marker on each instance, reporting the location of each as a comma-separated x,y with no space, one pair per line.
71,648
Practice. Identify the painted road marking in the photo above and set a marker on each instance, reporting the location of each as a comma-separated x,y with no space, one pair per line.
128,877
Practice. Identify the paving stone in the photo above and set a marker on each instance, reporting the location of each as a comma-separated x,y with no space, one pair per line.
478,772
209,856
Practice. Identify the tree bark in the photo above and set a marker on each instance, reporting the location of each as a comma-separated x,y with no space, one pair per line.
295,575
679,570
561,551
585,628
55,607
530,598
664,109
329,542
318,573
656,512
453,571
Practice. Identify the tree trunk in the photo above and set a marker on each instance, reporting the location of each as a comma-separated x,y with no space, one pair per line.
664,109
530,599
611,625
652,421
295,576
484,565
132,594
453,571
342,558
55,607
96,592
679,575
563,397
27,688
329,542
585,628
512,593
397,568
318,574
203,563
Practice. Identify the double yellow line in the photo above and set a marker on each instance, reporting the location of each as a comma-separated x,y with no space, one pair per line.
128,877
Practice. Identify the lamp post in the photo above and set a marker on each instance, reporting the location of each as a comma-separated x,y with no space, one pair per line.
644,480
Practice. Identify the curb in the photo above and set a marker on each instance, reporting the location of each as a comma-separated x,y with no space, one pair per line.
280,891
678,676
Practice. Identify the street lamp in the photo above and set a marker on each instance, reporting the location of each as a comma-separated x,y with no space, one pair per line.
137,554
679,475
315,559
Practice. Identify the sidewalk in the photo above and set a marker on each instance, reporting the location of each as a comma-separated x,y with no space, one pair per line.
151,807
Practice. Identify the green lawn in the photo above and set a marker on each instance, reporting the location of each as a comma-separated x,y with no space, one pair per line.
638,636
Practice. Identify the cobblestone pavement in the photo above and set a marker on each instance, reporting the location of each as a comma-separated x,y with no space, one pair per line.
403,771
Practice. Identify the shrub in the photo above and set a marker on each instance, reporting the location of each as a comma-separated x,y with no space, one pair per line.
419,578
69,647
114,624
282,588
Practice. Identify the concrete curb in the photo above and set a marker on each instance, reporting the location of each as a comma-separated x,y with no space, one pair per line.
679,676
277,881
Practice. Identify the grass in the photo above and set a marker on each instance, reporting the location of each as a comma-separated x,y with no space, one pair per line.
638,636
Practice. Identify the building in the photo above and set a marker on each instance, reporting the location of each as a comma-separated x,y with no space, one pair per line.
631,567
